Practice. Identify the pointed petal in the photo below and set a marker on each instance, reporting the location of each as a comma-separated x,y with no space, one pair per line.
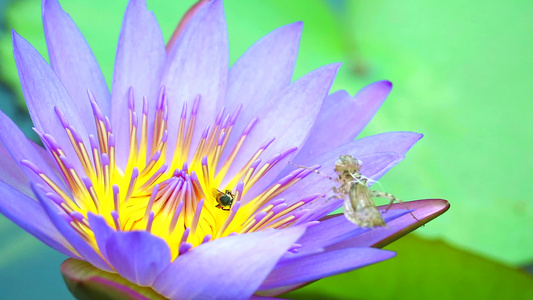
58,218
139,63
376,165
10,172
73,61
280,291
322,265
20,148
184,21
288,118
30,216
424,211
228,268
43,91
262,73
137,256
398,142
342,118
334,229
197,65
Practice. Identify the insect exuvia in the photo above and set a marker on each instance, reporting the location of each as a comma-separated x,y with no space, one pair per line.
224,200
359,207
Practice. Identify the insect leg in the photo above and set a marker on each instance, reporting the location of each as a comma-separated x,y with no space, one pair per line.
336,196
385,195
318,172
393,199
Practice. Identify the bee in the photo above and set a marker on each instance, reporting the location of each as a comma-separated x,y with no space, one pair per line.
359,206
224,200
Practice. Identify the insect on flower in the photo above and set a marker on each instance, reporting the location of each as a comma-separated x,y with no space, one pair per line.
224,200
359,207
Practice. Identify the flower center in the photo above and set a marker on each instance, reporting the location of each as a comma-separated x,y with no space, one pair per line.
177,196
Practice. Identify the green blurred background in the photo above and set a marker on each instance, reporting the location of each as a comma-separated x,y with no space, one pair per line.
461,70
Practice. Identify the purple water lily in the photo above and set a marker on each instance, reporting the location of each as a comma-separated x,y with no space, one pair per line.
178,180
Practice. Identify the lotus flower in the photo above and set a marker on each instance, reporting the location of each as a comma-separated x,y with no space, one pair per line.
177,183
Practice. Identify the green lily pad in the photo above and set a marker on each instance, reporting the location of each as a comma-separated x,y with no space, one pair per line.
424,269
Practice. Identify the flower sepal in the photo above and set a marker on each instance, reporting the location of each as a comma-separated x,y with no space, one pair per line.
85,281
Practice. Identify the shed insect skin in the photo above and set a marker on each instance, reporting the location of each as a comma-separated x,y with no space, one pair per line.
359,207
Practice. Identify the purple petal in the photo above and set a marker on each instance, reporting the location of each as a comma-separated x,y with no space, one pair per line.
43,91
280,290
197,65
376,165
20,148
262,73
101,231
78,243
73,61
322,265
342,118
138,256
139,63
30,216
228,268
398,142
334,229
287,117
424,211
46,156
10,172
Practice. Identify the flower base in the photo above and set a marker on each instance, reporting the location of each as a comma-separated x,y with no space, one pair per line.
86,282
